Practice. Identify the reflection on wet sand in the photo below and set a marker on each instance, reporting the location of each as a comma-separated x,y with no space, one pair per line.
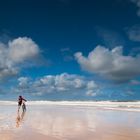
86,124
20,118
73,123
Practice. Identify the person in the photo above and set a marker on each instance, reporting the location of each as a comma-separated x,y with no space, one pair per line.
21,101
23,105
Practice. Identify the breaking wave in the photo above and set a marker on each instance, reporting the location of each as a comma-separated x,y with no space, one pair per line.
127,106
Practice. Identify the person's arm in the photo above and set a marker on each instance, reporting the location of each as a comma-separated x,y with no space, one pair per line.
18,100
24,99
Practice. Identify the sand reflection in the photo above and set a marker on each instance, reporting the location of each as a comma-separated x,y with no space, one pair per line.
20,118
69,123
84,123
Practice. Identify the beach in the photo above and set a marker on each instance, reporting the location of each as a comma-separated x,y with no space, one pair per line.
68,122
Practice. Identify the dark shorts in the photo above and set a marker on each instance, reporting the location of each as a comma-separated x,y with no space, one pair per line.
19,103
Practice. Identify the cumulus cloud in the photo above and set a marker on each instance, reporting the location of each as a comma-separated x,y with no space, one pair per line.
21,49
91,85
15,53
111,64
134,33
137,2
56,84
91,93
23,81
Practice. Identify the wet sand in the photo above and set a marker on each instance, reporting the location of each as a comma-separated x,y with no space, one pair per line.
52,122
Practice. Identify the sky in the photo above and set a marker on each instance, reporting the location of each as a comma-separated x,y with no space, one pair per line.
70,49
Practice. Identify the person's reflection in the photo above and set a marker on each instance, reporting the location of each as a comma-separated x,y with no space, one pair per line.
20,118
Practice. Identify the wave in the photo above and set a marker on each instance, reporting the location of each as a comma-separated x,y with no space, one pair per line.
135,106
83,103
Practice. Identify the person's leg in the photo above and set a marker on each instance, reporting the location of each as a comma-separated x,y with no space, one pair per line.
19,107
18,119
24,107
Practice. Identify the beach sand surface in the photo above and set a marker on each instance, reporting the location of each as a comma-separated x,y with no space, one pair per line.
53,122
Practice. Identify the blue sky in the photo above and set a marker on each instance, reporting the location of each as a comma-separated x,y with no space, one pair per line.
70,49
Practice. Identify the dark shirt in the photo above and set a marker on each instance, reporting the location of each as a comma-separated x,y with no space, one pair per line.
20,99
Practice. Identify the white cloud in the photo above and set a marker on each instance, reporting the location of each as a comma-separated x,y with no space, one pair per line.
15,53
56,84
111,64
23,48
6,72
68,80
90,93
91,85
23,81
78,83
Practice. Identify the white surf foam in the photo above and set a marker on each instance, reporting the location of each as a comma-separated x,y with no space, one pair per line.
128,106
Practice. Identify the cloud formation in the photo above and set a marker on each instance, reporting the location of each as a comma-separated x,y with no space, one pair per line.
21,49
23,82
62,83
111,64
15,53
